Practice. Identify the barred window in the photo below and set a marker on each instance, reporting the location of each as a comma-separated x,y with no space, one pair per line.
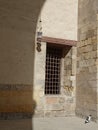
53,67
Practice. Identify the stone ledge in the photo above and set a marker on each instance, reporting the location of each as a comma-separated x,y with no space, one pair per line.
11,116
15,87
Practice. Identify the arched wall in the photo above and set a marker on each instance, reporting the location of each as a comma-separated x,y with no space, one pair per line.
18,21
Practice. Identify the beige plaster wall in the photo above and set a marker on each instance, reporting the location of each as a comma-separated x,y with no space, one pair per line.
59,19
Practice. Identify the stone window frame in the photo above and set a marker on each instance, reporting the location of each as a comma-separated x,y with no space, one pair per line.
60,42
61,68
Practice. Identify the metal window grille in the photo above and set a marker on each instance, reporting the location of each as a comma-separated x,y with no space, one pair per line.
53,65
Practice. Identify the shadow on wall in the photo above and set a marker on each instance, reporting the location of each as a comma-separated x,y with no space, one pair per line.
18,21
86,96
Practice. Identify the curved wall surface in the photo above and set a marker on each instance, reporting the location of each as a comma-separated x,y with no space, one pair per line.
18,21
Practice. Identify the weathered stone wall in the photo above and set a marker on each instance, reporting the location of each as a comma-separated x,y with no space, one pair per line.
55,105
86,92
18,56
59,20
67,66
97,62
69,85
63,104
18,21
39,79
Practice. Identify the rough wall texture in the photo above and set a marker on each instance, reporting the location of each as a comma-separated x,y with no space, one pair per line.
57,17
18,21
55,105
86,92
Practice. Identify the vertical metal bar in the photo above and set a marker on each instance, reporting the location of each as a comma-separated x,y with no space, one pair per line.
53,63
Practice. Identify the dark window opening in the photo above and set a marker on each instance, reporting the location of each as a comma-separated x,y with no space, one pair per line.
53,67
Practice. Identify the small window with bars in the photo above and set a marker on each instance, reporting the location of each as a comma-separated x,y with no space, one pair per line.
53,67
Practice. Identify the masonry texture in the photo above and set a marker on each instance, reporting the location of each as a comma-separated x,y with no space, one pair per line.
86,92
22,66
55,22
55,105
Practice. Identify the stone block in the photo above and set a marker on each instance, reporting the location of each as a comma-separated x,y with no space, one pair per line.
88,55
58,107
51,100
93,83
58,113
39,113
61,100
94,39
55,113
95,46
48,114
87,63
89,41
70,100
93,69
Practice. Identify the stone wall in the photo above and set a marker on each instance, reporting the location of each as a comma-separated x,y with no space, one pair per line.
97,62
18,21
63,104
86,92
18,55
39,79
57,17
55,105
